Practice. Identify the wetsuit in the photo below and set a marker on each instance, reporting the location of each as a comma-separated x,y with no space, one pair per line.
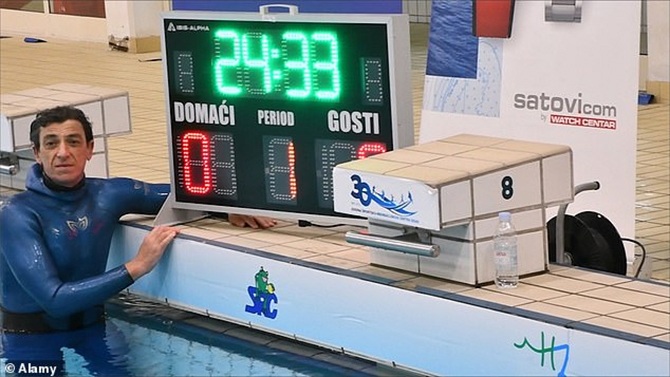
54,245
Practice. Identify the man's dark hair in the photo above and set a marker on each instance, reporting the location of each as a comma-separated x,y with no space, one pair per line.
58,114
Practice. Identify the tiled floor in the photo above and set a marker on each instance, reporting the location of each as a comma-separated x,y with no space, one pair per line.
652,215
143,154
615,302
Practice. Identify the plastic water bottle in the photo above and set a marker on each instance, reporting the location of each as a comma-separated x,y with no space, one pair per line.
505,252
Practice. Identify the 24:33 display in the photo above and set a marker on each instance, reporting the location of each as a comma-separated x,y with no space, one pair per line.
288,64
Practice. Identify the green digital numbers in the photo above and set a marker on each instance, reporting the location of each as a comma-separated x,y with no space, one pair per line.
289,65
327,68
225,72
297,65
256,57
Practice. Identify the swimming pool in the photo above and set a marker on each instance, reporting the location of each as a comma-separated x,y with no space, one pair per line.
142,338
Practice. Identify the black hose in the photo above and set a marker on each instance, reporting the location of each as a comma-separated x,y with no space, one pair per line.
560,220
644,255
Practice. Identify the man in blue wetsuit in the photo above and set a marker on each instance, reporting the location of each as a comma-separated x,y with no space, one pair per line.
55,236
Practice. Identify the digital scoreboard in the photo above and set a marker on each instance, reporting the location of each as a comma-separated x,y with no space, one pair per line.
262,106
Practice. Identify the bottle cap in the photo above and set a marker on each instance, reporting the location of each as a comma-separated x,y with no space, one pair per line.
504,216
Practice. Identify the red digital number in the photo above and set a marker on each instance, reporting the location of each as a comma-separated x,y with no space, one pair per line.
293,183
199,184
369,149
282,184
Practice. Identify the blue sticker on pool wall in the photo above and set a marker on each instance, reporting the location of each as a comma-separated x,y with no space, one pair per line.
262,295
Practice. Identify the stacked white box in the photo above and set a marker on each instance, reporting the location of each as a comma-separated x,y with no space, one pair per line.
107,109
115,105
455,188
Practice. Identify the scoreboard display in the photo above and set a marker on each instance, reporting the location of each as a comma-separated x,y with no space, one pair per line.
261,107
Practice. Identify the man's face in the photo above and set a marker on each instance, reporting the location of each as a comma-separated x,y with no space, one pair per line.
63,152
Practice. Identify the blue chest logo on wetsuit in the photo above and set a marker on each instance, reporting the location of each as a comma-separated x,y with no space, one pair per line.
262,295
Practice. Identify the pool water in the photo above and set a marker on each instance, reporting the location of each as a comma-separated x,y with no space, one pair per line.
147,339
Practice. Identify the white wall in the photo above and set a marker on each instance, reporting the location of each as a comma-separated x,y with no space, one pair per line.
658,28
133,19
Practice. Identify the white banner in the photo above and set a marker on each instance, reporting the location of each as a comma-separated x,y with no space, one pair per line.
572,83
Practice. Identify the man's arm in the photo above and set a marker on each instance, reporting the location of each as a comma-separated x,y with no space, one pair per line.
30,262
147,198
150,252
133,196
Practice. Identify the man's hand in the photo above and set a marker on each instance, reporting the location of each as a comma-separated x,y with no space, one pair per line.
251,221
151,251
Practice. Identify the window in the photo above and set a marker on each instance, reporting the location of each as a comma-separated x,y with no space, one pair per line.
88,8
27,5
